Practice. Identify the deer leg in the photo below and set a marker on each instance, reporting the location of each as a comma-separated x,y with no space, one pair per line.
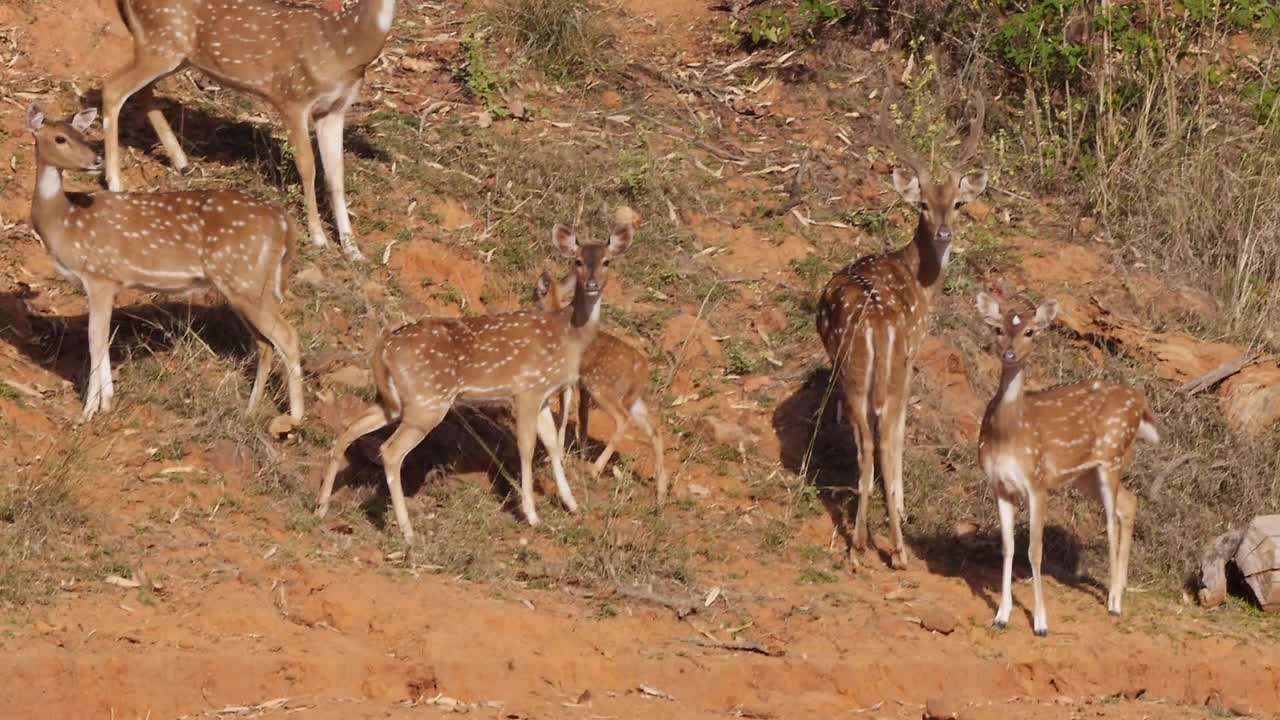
1126,514
620,420
584,414
400,444
891,472
98,391
864,441
1106,491
265,357
547,433
527,411
298,122
329,138
270,324
640,415
374,418
168,140
1007,511
1036,503
115,91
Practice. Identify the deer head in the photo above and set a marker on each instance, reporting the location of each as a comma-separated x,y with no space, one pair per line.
591,260
937,201
1015,332
61,143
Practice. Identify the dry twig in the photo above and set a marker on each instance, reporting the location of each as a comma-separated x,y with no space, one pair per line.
740,645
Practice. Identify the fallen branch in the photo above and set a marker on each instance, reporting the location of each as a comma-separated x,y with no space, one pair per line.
739,645
1220,373
683,606
795,191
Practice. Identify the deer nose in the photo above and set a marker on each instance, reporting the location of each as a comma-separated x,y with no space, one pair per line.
1009,356
593,285
943,235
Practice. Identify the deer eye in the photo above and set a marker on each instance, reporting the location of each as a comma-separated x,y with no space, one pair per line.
605,263
578,262
999,332
959,204
61,140
1029,333
924,206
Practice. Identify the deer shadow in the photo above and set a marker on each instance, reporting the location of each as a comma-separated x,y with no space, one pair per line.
60,343
470,439
819,449
212,137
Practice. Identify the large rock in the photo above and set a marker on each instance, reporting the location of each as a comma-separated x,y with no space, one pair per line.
1259,560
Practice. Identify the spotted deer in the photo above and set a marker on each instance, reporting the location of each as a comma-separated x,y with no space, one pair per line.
873,315
163,242
523,357
614,375
306,62
1034,442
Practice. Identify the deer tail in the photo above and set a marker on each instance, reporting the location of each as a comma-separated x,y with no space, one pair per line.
1148,428
388,395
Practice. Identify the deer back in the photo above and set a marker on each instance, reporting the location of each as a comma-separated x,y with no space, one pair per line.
1066,429
876,294
488,357
612,366
271,49
172,241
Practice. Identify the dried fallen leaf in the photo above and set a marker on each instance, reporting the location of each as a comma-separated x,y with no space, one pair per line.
122,582
654,693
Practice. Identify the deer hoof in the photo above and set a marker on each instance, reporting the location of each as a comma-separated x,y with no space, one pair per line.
1043,632
1001,625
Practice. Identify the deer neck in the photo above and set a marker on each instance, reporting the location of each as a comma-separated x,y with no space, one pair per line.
926,262
584,317
1005,411
364,27
49,204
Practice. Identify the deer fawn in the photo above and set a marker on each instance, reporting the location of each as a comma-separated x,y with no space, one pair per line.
1035,442
616,376
873,315
525,357
163,242
306,62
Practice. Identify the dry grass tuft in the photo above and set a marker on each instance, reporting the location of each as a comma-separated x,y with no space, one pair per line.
566,38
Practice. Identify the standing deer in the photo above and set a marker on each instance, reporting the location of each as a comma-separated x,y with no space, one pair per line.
873,316
423,368
616,376
1035,442
163,242
307,62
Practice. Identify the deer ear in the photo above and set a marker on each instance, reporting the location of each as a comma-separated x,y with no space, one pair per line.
566,240
543,286
989,309
1046,313
83,119
621,239
35,118
909,190
972,185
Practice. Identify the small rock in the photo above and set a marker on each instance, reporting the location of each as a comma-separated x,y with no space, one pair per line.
484,120
726,433
350,376
281,425
1086,227
964,530
310,275
1240,709
940,708
977,210
937,620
